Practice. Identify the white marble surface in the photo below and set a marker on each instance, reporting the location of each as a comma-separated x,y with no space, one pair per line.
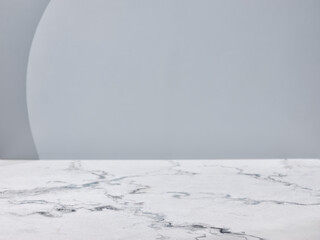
185,199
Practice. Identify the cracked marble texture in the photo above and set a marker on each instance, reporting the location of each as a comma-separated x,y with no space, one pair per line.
179,199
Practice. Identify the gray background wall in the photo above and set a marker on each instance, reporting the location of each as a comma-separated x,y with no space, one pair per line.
171,79
18,22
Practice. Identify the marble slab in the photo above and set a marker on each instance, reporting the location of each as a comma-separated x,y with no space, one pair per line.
146,200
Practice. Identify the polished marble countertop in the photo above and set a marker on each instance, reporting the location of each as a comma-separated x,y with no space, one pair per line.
158,199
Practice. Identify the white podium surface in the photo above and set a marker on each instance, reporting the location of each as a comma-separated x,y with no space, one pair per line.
158,199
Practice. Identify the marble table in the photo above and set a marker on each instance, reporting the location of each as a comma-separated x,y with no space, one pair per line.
178,199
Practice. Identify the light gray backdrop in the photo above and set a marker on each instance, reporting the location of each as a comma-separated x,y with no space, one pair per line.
168,79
